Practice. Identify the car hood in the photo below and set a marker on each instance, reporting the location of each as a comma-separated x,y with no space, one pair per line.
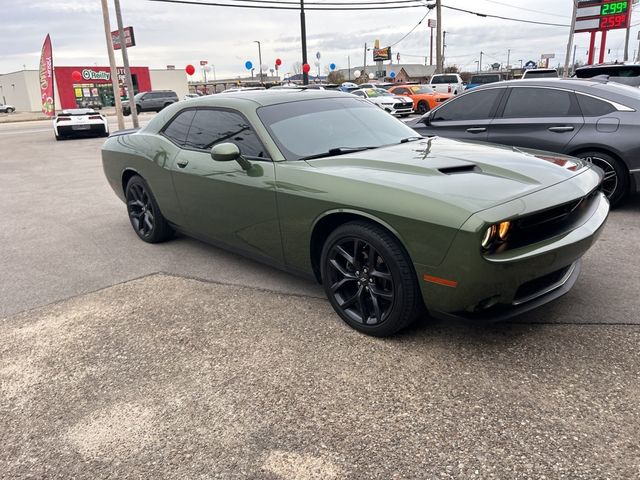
470,175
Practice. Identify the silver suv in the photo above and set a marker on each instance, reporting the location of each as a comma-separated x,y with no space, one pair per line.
152,101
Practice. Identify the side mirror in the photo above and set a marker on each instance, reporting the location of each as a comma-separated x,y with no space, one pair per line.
225,152
228,152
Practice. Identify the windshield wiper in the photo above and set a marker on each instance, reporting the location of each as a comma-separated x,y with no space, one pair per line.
337,151
411,139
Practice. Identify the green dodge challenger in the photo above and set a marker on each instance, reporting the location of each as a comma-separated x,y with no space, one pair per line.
393,225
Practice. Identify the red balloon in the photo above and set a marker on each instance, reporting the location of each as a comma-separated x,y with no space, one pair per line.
278,62
76,75
190,69
306,68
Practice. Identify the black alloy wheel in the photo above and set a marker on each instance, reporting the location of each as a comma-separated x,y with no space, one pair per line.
615,183
361,282
423,107
369,279
144,214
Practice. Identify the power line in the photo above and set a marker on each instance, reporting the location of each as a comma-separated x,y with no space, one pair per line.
280,5
412,30
503,18
522,8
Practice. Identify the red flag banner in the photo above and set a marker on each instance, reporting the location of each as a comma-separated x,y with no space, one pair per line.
46,79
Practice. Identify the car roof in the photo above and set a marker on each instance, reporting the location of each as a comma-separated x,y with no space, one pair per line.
272,97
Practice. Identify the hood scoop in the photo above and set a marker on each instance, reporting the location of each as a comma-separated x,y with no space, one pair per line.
460,169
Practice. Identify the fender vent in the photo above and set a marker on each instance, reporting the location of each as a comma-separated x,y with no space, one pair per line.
458,170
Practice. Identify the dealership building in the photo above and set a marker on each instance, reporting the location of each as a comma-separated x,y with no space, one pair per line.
76,85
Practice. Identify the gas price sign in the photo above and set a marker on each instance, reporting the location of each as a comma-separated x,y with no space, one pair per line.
597,15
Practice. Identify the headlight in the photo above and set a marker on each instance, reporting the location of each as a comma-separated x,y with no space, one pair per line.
503,230
496,232
488,236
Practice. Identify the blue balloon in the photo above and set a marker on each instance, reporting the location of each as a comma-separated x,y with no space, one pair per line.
392,74
248,65
332,66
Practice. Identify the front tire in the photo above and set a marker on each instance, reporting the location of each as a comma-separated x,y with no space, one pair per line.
423,107
615,184
11,110
144,214
369,279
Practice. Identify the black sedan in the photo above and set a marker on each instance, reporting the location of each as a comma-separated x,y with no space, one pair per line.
598,121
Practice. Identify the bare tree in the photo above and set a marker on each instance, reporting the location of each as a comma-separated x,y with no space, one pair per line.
335,77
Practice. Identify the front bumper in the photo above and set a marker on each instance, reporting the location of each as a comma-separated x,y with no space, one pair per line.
406,109
501,286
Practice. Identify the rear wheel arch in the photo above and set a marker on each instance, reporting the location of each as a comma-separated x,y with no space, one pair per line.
624,168
328,222
126,176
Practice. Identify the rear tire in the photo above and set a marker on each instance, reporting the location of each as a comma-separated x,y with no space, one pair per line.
144,214
11,110
615,184
369,279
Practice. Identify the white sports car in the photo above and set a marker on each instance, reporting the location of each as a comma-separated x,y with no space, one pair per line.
394,104
79,122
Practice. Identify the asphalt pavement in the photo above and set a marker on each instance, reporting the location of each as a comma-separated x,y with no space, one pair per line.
121,359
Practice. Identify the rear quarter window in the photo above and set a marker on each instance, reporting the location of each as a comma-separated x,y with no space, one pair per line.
178,128
592,107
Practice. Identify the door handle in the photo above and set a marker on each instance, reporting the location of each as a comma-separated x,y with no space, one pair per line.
561,129
182,163
476,130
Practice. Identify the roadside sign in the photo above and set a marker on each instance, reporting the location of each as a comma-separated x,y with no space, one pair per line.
381,54
547,56
203,63
432,23
318,55
530,65
599,15
128,35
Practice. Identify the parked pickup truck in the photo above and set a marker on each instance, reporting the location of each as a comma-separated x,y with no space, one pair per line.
447,83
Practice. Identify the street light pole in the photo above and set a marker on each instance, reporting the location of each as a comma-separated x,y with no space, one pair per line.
439,63
259,60
112,65
565,73
303,35
125,62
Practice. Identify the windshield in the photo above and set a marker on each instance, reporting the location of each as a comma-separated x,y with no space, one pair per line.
613,71
541,73
421,89
377,92
312,127
444,79
483,79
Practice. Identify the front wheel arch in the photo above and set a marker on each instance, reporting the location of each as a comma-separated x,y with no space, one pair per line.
329,221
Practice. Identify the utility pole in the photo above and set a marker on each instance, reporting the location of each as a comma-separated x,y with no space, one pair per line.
112,65
259,60
125,62
573,63
349,66
430,48
570,42
444,46
439,62
480,65
508,58
364,63
303,35
626,37
638,57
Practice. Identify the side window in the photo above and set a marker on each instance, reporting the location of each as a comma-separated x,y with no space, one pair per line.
401,91
540,103
592,107
218,126
478,105
360,94
178,128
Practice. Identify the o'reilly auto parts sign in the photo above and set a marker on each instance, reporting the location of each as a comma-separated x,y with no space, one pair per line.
89,74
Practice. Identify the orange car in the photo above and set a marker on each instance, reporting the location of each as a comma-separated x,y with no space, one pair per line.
424,98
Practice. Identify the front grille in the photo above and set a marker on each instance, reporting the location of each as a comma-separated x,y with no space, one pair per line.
541,285
551,222
401,105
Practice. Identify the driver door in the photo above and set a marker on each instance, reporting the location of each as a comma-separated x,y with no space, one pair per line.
220,201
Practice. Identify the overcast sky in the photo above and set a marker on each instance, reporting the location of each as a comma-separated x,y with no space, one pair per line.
183,34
